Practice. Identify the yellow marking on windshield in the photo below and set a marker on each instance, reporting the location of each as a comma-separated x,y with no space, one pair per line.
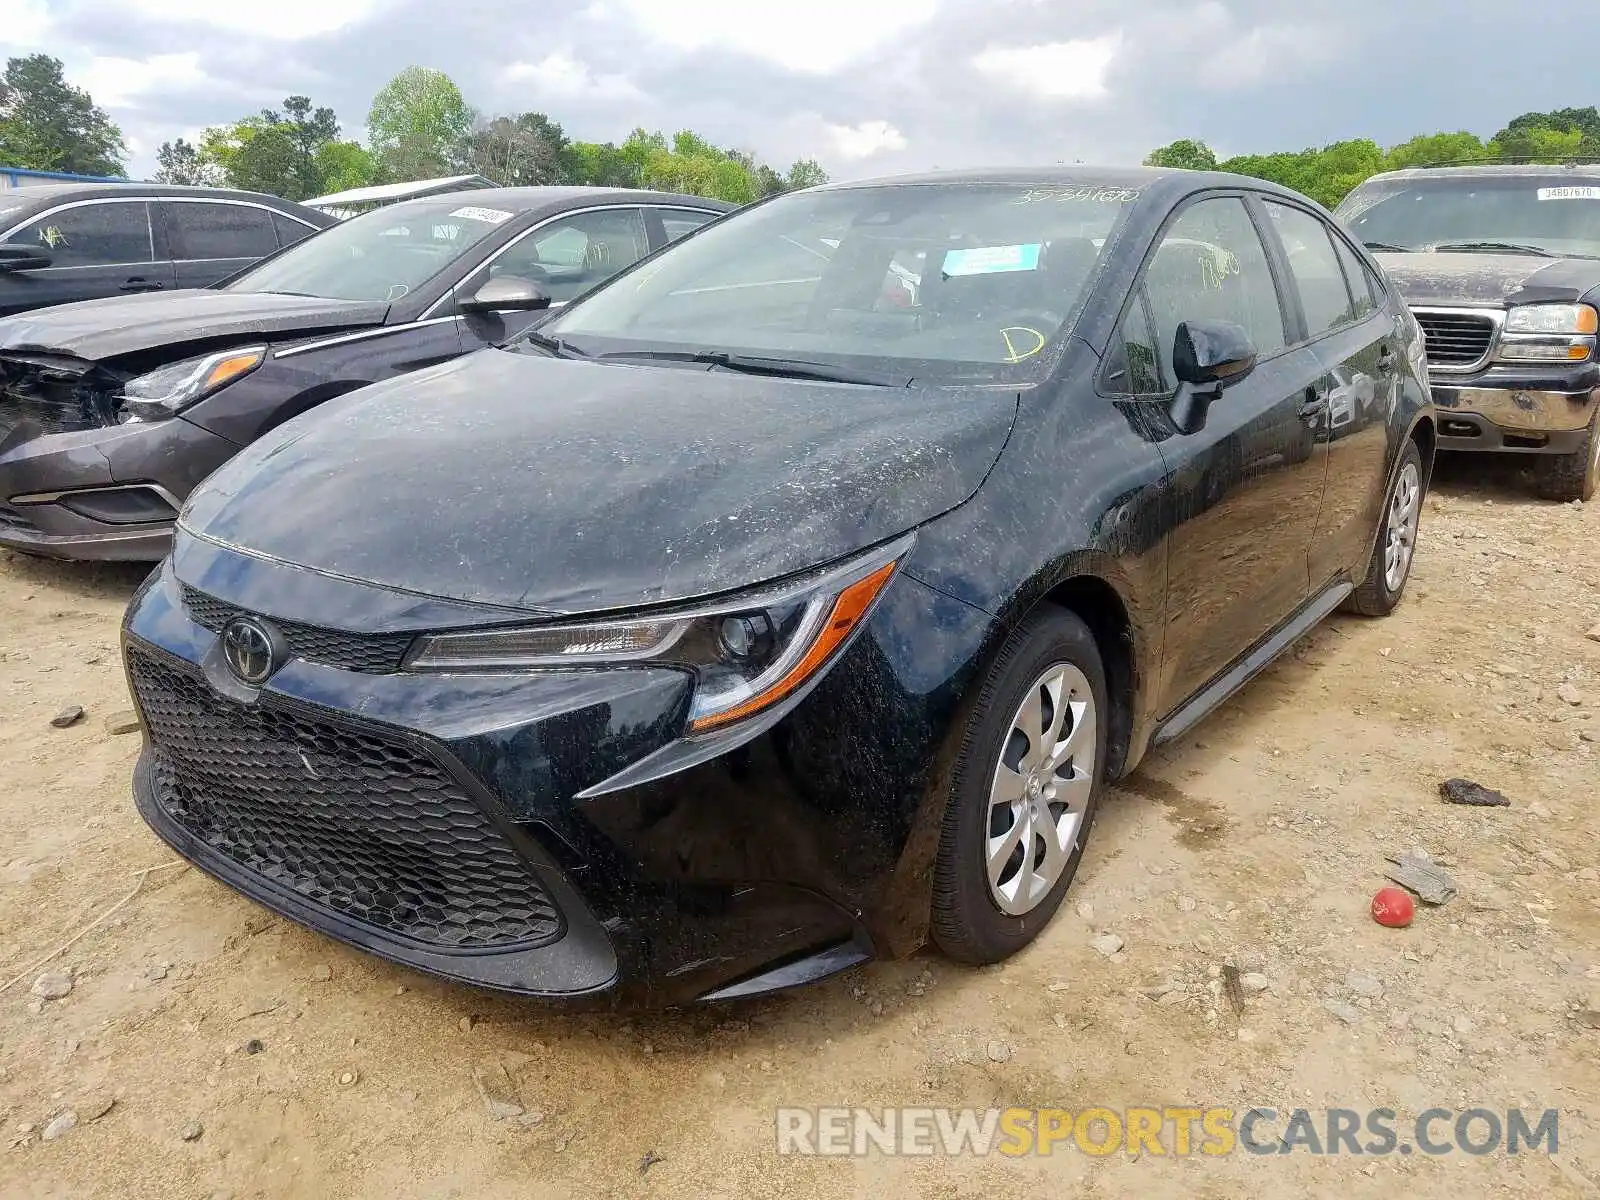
1013,355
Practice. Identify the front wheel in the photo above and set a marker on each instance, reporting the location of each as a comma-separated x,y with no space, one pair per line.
1390,567
1026,782
1574,476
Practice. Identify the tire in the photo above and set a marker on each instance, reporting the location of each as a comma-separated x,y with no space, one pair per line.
1575,476
1381,590
979,920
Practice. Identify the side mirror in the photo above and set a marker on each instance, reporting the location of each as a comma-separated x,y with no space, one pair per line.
507,292
23,258
1206,357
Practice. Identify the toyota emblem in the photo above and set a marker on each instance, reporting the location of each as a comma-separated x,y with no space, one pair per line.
252,650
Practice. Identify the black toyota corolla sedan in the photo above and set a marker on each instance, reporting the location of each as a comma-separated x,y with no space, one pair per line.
790,599
112,410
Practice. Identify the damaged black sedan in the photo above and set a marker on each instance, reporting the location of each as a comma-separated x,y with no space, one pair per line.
111,410
790,599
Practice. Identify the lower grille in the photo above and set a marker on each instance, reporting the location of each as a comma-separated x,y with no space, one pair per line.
366,827
1457,339
373,654
13,520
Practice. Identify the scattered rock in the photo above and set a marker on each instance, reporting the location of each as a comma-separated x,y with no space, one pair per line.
254,1046
1363,985
1415,872
466,1024
1234,988
498,1092
1347,1013
258,1008
1085,910
52,985
650,1159
1254,982
321,973
1462,1026
531,1118
59,1124
1589,1017
97,1106
120,723
1107,944
1568,693
192,1131
349,1078
1594,634
156,972
1185,903
1464,791
999,1052
70,715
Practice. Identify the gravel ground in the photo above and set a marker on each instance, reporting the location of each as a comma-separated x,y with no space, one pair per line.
203,1047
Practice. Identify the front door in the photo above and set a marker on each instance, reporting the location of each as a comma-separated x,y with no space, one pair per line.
96,248
1247,485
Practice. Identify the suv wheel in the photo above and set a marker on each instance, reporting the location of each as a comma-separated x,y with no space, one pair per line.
1574,476
1025,785
1396,546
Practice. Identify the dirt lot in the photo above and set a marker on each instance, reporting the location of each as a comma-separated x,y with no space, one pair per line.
312,1070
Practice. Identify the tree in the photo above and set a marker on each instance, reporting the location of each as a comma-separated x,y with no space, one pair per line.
1428,148
1326,175
804,173
344,165
528,150
1186,154
598,164
418,124
1552,136
46,124
275,152
182,162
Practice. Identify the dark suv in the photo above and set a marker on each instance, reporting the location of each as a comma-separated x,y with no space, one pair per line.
69,242
1501,265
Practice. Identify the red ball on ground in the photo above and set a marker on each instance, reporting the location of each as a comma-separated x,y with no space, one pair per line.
1393,907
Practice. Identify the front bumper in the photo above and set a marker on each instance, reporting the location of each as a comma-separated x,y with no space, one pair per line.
1516,410
363,802
107,494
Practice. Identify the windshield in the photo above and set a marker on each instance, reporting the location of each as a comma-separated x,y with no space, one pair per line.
380,255
1552,213
939,280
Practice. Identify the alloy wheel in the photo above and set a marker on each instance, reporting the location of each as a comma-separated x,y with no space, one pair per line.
1400,531
1041,789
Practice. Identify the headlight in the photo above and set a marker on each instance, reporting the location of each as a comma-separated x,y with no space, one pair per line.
746,655
1549,333
169,390
1552,318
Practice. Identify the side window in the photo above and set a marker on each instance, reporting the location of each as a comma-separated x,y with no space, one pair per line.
1211,266
679,221
201,231
1359,279
91,235
1134,362
572,254
289,230
1315,267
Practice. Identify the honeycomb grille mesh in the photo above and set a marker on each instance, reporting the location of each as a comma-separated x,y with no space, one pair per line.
369,828
369,653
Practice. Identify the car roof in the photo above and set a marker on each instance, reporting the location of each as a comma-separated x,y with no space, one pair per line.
524,200
1578,171
59,193
1166,181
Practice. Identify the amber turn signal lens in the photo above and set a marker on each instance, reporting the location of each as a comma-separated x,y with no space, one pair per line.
849,607
1588,319
230,367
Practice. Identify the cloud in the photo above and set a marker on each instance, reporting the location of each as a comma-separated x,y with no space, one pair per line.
818,36
117,82
562,77
290,20
1056,70
866,139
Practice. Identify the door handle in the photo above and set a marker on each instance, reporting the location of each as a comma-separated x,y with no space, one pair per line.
1315,404
136,284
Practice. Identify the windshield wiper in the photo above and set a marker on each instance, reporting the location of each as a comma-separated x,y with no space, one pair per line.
1502,247
1387,246
555,345
753,364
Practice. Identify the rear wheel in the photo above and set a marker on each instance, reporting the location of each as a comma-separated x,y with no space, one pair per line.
1390,567
1026,782
1574,476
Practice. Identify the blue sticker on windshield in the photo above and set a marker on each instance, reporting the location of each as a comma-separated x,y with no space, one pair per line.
992,260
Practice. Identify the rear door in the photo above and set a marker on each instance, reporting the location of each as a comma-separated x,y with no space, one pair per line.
670,224
1245,486
97,248
1358,347
211,239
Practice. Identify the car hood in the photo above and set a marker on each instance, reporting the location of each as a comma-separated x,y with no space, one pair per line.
1494,280
567,486
102,329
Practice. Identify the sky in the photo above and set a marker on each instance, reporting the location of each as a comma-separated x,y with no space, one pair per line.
867,87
